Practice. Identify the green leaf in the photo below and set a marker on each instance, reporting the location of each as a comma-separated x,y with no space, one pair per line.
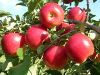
3,13
53,72
40,49
33,4
95,70
22,68
91,16
21,3
54,36
76,2
57,1
17,17
94,0
4,65
20,53
60,31
5,22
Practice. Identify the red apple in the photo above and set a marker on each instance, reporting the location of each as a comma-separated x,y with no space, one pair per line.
79,47
54,57
68,27
51,14
36,35
77,13
11,42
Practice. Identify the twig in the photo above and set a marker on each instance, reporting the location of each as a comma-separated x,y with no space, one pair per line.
93,27
56,40
88,8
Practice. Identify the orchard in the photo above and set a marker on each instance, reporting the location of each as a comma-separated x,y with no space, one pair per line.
51,38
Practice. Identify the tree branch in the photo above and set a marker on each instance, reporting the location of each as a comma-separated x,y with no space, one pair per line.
87,10
93,27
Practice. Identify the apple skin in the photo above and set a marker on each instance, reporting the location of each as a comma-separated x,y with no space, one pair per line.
36,35
77,13
68,27
55,57
51,14
11,42
79,47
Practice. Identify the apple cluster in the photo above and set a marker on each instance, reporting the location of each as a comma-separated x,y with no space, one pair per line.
78,47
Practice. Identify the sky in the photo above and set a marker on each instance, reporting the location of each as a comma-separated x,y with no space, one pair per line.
10,6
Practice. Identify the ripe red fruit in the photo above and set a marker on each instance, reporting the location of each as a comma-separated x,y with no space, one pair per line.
68,27
36,35
79,47
54,57
77,13
11,42
51,14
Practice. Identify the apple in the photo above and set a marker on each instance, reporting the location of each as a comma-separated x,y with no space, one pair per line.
51,14
68,27
36,35
76,13
79,47
11,42
54,57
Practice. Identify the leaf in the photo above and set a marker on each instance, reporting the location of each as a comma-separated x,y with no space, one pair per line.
17,17
76,2
40,49
3,13
57,1
4,65
21,3
22,68
33,4
95,70
91,16
53,37
60,31
53,72
20,53
1,66
5,22
94,0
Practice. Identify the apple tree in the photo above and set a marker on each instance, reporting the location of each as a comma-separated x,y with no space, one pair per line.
51,38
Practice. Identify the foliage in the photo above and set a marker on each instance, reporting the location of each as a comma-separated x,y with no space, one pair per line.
31,63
